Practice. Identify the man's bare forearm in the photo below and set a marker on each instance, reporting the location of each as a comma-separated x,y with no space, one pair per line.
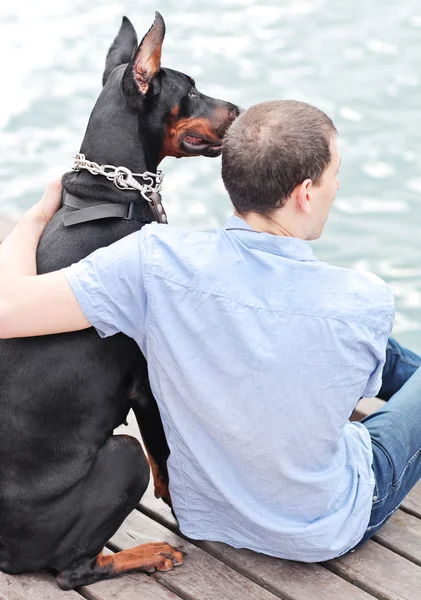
32,304
17,264
18,251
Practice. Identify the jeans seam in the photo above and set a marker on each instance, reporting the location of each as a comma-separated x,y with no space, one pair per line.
397,484
371,527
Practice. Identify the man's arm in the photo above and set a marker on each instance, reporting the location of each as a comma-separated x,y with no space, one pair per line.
30,304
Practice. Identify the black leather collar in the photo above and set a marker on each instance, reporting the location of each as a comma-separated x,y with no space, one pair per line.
92,210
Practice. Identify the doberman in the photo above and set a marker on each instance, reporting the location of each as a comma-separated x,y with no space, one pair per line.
66,482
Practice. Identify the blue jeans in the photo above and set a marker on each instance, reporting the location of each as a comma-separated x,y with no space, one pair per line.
395,432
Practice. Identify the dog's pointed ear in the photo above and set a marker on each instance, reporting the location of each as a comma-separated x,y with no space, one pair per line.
147,60
122,49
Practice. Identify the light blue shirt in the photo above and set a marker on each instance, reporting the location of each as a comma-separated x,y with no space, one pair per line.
257,355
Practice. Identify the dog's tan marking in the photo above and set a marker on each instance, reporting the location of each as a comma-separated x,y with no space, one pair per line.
194,126
160,483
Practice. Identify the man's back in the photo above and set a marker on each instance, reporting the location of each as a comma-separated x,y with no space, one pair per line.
257,355
265,352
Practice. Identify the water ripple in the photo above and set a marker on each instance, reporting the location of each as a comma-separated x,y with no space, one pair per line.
357,61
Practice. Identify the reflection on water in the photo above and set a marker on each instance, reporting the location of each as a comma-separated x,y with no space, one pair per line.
357,61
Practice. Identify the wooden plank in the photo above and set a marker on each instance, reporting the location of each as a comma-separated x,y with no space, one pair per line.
127,587
33,586
202,577
412,502
402,534
380,572
288,579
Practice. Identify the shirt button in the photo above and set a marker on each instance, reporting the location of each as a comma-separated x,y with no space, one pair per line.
375,498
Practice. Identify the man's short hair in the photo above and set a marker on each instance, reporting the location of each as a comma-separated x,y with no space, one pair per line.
270,149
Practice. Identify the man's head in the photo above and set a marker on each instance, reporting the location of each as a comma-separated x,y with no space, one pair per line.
279,165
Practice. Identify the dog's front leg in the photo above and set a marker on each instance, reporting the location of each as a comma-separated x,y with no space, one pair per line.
150,425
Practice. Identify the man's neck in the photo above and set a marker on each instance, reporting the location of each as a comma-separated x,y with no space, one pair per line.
265,224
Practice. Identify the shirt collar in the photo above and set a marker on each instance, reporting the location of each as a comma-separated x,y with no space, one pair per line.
235,222
284,246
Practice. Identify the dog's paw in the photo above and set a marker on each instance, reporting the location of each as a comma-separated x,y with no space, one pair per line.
161,556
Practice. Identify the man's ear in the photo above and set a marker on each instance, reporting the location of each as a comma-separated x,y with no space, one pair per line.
122,49
303,195
146,63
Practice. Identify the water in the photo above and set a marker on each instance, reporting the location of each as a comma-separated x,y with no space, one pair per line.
359,61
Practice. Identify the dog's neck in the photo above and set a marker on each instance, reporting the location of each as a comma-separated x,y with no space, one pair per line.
114,136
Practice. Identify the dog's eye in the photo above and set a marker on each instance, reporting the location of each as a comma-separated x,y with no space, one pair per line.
192,94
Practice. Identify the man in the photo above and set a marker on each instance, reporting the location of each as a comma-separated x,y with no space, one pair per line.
257,352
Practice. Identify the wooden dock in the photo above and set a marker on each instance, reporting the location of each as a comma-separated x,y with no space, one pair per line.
387,567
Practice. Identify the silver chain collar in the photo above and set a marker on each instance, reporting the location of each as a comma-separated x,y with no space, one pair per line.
124,179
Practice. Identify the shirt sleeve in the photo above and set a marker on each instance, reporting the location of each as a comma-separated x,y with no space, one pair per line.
109,286
378,344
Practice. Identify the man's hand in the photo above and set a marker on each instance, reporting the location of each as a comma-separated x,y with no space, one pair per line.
50,203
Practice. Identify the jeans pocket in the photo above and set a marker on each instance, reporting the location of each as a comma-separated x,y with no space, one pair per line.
381,493
378,502
376,498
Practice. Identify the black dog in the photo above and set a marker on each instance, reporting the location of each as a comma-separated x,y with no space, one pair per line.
66,483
